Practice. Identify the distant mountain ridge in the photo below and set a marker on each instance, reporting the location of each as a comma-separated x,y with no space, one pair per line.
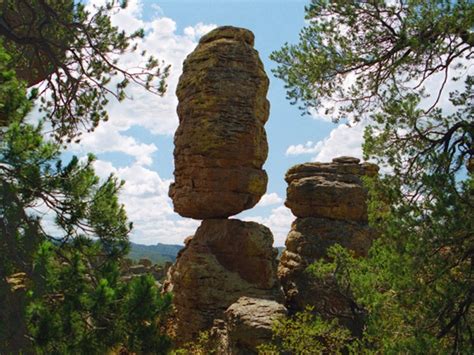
160,253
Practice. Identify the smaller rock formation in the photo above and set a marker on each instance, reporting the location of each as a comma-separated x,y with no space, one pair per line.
247,324
220,144
329,200
329,190
225,260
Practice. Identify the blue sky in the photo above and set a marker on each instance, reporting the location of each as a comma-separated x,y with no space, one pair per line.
137,143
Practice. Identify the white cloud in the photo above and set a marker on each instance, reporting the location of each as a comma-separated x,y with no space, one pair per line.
145,197
307,148
195,32
110,140
279,221
343,140
269,199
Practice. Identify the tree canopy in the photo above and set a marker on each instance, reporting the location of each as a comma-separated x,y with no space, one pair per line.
404,69
64,234
75,53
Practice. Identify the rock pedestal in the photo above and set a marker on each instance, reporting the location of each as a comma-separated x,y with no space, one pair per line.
330,202
220,144
225,260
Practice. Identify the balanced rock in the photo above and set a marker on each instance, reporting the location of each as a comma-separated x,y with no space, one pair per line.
220,144
329,190
225,260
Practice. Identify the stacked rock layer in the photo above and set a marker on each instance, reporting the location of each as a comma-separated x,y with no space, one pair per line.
329,201
220,144
220,147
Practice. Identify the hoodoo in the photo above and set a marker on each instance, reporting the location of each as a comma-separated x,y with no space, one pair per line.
330,203
229,267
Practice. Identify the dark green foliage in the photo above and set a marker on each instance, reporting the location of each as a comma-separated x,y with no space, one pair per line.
416,286
306,333
63,236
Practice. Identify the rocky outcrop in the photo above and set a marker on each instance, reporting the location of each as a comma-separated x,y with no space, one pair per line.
129,270
329,200
220,147
225,260
220,144
247,324
329,190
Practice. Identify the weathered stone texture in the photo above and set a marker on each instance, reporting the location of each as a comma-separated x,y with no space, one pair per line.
331,205
329,190
220,144
247,324
225,260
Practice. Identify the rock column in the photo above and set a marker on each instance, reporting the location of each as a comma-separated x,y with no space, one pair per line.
329,201
220,147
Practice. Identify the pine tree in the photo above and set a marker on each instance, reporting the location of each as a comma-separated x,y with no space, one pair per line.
416,285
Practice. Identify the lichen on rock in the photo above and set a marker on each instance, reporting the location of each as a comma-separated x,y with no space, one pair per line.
221,144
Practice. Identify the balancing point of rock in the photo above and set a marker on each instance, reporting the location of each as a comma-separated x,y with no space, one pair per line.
221,144
226,259
329,190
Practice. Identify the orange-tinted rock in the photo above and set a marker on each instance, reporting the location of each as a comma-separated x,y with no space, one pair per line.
220,144
225,260
329,190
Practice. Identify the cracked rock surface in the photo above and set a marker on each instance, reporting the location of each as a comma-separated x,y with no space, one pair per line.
221,144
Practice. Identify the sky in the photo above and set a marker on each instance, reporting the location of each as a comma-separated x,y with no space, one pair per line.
136,144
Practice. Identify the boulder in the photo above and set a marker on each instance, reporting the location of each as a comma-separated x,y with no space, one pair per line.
220,144
145,262
329,190
249,323
225,260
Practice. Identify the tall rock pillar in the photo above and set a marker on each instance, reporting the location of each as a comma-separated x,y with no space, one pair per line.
330,204
220,147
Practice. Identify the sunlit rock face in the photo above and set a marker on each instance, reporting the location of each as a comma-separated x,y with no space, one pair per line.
329,190
220,144
330,202
225,260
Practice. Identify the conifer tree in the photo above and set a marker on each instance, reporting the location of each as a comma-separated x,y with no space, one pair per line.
371,61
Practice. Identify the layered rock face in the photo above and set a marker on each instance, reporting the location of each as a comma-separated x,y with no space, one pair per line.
220,144
220,147
330,203
225,260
